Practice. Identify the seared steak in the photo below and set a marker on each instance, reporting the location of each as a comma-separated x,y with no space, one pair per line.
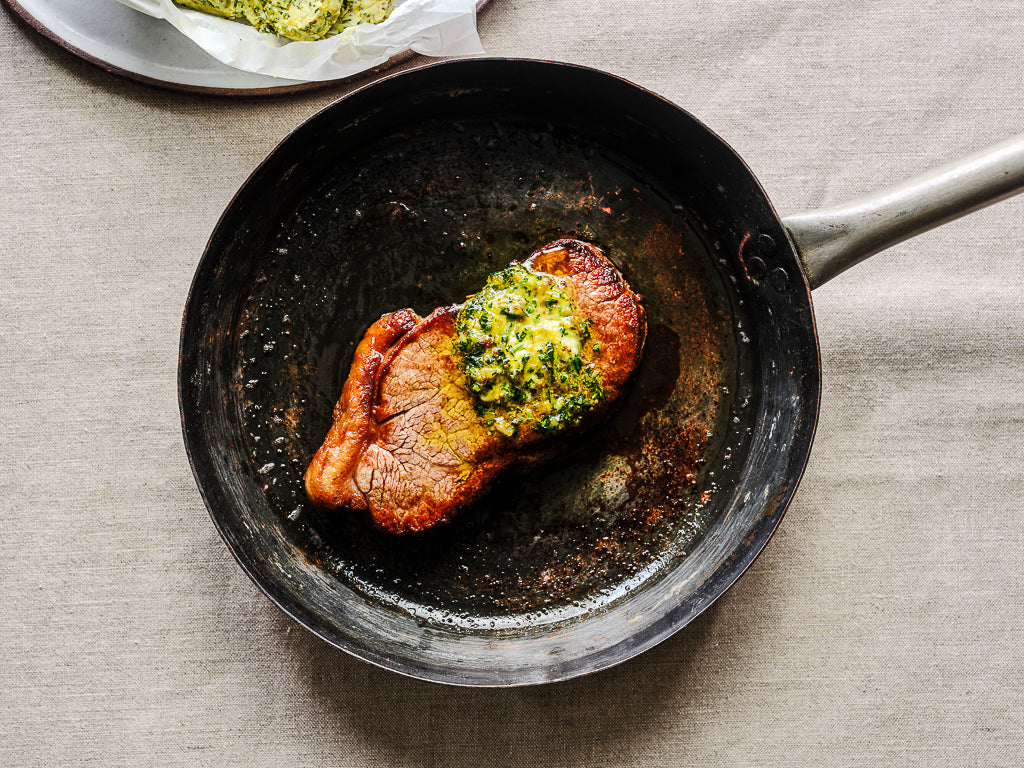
411,440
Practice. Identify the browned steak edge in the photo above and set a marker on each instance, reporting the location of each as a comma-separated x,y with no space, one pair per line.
600,291
329,479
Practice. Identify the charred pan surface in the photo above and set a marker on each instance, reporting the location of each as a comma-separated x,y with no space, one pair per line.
406,442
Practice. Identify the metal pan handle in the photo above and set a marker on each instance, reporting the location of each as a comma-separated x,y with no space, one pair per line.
833,240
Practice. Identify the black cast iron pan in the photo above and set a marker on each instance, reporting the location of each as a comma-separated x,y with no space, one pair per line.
408,193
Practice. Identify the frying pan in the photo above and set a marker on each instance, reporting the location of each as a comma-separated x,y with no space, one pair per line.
408,193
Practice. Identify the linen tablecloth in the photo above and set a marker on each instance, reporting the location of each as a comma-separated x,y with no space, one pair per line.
883,625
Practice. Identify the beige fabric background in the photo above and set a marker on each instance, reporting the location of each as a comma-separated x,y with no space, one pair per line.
882,626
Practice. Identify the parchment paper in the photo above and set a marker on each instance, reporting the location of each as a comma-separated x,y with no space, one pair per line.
428,27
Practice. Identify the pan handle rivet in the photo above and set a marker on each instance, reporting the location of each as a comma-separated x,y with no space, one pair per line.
756,269
780,279
766,245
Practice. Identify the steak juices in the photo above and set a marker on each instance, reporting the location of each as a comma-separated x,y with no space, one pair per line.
435,408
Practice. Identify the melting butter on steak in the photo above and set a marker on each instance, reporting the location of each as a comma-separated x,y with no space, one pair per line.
435,408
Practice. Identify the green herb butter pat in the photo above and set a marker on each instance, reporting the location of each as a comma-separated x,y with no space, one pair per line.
525,353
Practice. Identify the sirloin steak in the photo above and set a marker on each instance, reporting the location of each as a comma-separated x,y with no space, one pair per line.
408,441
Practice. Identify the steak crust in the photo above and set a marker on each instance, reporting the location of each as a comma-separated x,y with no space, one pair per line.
406,442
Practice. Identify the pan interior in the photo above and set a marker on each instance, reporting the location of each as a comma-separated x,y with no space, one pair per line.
409,194
420,221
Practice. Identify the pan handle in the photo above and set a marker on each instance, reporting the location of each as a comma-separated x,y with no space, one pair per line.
833,240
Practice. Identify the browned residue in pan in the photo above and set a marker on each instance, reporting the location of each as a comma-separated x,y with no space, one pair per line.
630,497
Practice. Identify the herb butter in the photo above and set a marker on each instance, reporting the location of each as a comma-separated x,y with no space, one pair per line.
298,19
355,12
527,356
294,19
227,8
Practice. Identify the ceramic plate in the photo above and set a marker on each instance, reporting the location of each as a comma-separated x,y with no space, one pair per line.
126,42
